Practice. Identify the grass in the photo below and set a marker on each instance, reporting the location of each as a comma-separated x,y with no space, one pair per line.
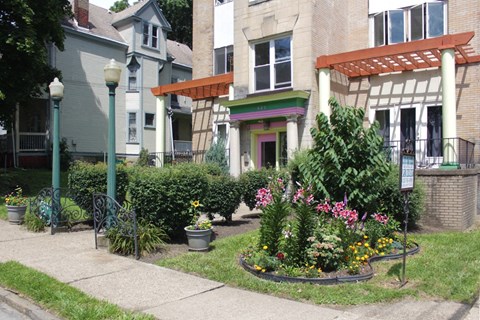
64,300
448,267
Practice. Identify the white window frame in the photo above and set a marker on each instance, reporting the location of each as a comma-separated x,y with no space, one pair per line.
153,125
271,64
129,141
220,2
227,133
152,39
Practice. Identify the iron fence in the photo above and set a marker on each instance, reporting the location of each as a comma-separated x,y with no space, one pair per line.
431,153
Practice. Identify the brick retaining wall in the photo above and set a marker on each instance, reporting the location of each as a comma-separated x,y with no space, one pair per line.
450,198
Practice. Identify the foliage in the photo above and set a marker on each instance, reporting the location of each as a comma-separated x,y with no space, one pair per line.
162,196
33,223
299,157
16,198
119,5
391,200
26,26
275,209
197,224
85,179
223,197
143,158
66,301
65,155
150,238
179,14
252,181
346,158
217,153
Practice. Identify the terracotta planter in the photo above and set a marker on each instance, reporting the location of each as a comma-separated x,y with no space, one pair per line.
16,214
198,240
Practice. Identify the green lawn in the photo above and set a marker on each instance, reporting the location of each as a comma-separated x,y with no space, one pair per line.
448,267
62,299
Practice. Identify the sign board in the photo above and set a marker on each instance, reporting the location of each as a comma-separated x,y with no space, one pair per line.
407,171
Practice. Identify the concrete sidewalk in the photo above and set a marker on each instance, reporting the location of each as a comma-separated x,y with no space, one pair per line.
168,294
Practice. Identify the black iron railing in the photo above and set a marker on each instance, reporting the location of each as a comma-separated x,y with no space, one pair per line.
432,153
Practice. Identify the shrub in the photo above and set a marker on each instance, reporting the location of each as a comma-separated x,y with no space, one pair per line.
143,157
223,197
150,237
33,223
85,179
163,196
217,154
391,199
252,181
346,158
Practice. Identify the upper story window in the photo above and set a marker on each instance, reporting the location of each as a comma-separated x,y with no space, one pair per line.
426,20
272,64
133,67
150,35
220,2
223,60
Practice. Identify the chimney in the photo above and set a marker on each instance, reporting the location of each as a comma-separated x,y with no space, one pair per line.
80,9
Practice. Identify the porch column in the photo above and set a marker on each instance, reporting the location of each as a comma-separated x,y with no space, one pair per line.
449,109
324,91
231,92
160,131
292,135
235,148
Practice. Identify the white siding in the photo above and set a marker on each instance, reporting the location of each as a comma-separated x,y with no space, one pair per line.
223,25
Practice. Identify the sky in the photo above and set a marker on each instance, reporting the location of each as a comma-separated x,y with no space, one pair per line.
106,3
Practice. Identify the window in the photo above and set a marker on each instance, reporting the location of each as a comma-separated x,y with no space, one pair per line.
220,2
383,118
434,131
132,127
223,60
150,35
221,133
150,120
272,64
417,22
133,67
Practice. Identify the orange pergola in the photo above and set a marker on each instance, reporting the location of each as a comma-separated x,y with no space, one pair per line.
412,55
198,89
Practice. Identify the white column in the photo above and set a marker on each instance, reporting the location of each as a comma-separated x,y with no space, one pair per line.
324,91
231,92
292,135
449,109
235,148
160,130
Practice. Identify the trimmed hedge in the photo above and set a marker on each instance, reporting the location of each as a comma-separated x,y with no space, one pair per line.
253,180
85,179
223,197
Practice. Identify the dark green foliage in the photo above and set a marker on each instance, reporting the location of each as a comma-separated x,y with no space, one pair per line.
85,179
253,180
163,196
293,165
65,156
224,196
142,160
304,227
33,223
150,238
119,5
217,154
391,199
179,14
346,158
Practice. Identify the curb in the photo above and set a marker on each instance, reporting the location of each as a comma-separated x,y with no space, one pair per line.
24,306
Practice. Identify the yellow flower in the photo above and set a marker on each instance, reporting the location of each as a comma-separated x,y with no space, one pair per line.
356,251
265,247
379,240
312,266
195,203
390,240
366,245
358,258
382,253
359,244
263,270
365,237
319,270
258,267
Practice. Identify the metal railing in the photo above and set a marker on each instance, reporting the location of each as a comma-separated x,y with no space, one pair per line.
160,159
181,145
432,153
32,141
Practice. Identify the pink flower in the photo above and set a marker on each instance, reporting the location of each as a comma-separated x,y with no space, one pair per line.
323,207
264,197
381,218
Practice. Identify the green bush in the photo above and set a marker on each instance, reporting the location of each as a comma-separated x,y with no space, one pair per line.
346,158
85,179
142,160
217,154
150,238
391,199
33,223
252,181
163,196
223,197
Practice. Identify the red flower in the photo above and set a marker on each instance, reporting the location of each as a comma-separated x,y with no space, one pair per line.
280,256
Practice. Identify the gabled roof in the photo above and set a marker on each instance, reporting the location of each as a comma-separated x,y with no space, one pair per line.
136,10
412,55
180,52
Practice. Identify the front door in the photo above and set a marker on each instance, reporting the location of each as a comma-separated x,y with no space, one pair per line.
266,150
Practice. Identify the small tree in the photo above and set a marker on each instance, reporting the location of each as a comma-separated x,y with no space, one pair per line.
217,154
346,158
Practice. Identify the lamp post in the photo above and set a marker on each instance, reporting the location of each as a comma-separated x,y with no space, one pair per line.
56,93
112,73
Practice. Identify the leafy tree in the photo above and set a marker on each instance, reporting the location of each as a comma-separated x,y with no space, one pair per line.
27,27
217,154
179,14
346,158
119,5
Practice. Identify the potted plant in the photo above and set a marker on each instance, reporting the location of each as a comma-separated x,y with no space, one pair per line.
199,233
16,204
